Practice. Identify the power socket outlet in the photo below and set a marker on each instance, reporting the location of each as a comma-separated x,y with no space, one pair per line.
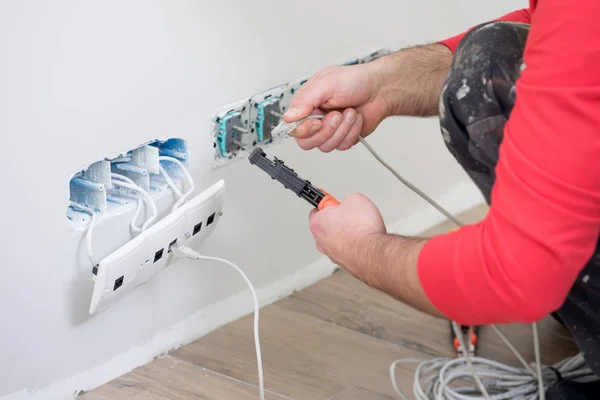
266,110
150,252
231,131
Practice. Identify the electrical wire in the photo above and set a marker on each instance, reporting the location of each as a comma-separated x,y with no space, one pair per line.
119,181
188,178
170,182
90,228
409,185
434,378
451,379
141,200
186,252
538,361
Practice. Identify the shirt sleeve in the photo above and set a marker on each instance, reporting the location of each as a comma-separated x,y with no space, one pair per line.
523,15
520,262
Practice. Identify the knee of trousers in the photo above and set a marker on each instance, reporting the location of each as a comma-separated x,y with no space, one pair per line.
479,92
485,67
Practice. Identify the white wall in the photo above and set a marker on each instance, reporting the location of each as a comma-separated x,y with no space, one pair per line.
81,80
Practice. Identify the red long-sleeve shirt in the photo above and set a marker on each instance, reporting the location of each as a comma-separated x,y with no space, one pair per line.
520,262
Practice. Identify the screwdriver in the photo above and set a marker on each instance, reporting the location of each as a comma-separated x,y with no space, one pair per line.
278,171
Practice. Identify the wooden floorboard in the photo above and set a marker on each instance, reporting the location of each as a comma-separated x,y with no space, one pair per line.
304,357
333,340
345,301
168,378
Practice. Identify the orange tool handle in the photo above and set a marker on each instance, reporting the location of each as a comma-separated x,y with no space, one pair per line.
327,201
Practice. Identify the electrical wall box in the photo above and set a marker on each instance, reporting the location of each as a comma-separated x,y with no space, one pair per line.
238,128
92,187
150,252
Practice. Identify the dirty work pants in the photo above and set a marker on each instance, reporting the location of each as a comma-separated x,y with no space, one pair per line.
476,101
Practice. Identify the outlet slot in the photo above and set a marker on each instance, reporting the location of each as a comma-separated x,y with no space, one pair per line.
118,282
197,229
93,187
158,255
171,245
210,219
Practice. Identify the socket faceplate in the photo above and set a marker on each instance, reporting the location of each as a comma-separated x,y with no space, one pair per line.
149,253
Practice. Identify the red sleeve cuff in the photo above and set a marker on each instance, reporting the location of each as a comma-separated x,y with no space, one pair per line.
452,43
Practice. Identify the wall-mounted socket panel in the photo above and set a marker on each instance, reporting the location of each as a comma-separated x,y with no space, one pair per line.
239,127
93,186
150,252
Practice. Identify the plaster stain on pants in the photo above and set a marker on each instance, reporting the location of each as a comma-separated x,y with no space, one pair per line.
463,90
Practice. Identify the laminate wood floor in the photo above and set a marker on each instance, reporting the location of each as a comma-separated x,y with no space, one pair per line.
333,340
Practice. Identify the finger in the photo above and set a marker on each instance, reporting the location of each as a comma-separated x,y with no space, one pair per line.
352,137
308,127
309,97
349,117
330,123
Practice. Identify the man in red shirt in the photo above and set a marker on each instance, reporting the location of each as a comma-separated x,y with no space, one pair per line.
519,106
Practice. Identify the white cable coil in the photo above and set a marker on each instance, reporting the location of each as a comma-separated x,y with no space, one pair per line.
451,379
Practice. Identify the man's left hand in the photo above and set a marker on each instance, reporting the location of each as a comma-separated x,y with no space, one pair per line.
343,232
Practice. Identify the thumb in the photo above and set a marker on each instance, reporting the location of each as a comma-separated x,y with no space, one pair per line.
308,98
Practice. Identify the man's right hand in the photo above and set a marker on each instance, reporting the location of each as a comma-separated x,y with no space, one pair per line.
355,99
351,99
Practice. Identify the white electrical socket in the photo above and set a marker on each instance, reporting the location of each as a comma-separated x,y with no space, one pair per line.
149,253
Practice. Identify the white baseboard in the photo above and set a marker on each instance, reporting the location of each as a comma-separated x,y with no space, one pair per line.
459,198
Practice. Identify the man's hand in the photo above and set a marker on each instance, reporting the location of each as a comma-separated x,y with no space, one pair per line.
343,232
353,235
351,98
355,99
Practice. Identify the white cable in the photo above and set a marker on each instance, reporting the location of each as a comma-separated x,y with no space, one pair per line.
191,254
461,340
90,228
451,379
146,196
170,182
409,185
141,200
538,361
186,175
433,378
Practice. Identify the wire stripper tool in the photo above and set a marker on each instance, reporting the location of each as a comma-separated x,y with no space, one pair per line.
278,171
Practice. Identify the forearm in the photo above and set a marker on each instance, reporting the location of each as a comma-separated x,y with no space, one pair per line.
412,79
389,264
